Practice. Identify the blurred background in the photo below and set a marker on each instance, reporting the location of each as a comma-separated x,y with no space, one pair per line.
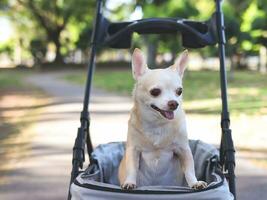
44,50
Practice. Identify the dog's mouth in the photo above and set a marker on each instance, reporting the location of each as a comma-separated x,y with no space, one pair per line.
165,113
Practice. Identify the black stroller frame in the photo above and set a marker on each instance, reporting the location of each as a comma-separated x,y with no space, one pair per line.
194,35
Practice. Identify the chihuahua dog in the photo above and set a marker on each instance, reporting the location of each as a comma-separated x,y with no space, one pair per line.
157,134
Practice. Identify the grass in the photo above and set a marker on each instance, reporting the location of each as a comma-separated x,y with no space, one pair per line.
10,80
247,91
116,81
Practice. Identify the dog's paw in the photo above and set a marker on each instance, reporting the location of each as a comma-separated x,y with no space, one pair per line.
128,186
199,185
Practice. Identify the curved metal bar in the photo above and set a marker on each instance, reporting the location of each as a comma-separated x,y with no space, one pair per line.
176,25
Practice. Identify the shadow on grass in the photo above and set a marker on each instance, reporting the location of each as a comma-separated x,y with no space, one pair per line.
14,140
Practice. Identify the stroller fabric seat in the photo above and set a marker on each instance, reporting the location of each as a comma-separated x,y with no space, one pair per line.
100,179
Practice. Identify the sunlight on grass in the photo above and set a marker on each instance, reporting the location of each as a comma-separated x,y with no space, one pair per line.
247,91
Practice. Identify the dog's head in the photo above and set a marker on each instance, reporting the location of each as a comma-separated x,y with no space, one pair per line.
158,91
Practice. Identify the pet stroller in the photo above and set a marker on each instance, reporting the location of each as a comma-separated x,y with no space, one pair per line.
99,180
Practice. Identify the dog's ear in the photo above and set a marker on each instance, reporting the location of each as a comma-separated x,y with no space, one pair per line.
181,63
138,63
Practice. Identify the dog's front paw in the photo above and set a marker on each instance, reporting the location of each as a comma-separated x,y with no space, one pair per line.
128,186
199,185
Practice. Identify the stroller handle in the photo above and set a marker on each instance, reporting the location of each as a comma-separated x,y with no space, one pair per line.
194,34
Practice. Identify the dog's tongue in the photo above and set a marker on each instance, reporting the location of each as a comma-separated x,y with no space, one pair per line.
167,114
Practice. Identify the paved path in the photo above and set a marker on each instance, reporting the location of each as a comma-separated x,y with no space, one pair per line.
45,173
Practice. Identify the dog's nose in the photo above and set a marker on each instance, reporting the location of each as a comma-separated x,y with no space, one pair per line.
173,104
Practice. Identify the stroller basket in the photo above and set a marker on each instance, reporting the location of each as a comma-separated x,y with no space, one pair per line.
101,177
99,180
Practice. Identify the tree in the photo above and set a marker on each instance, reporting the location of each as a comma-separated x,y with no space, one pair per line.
53,17
233,12
259,32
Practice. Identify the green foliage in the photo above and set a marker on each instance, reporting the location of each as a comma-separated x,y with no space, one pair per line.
259,24
7,47
53,21
84,38
233,12
68,23
171,8
3,4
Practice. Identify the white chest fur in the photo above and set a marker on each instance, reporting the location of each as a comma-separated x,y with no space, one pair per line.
155,155
158,167
159,136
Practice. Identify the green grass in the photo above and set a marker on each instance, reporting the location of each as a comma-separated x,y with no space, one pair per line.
247,92
116,81
10,80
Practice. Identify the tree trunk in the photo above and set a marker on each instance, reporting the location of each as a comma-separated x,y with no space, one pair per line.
240,65
263,60
232,64
18,52
59,57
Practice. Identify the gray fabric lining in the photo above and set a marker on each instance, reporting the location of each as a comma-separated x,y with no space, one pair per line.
104,173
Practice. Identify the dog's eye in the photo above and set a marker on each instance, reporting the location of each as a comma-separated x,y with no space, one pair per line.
155,92
179,91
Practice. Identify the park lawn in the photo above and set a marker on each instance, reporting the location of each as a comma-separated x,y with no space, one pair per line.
12,80
247,91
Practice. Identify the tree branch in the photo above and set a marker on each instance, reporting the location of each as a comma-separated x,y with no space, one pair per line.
37,14
66,17
40,18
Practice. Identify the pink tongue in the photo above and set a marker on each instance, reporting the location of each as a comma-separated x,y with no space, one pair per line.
168,114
